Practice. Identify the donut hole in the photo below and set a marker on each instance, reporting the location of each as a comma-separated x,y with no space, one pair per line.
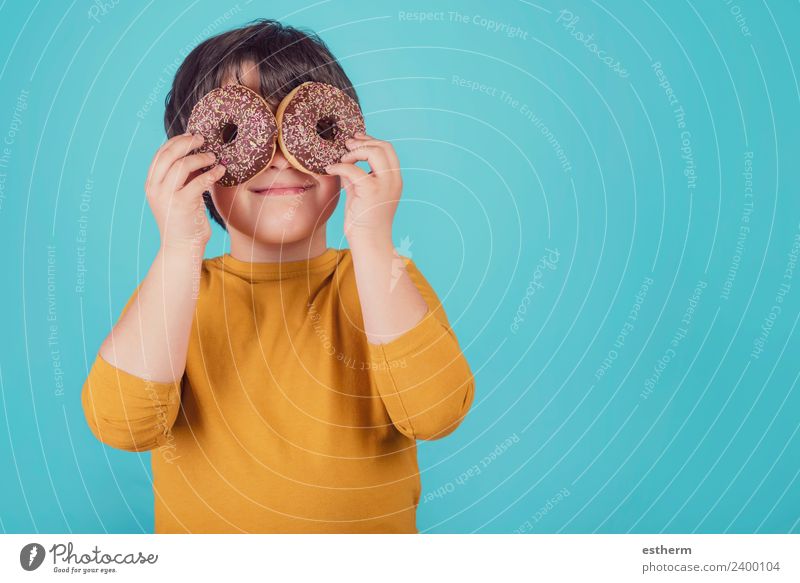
229,132
327,128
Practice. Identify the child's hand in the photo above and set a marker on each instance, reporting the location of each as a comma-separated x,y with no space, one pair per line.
174,189
372,197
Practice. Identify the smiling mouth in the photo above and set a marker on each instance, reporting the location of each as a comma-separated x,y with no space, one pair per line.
282,190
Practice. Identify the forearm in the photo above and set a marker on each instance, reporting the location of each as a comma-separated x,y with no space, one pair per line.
390,302
418,366
151,338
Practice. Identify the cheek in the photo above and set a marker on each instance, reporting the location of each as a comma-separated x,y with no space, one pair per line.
223,198
327,193
329,185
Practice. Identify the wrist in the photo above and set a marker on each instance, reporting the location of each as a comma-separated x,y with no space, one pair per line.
370,240
183,249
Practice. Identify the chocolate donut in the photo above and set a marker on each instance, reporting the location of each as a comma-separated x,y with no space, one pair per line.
239,128
314,120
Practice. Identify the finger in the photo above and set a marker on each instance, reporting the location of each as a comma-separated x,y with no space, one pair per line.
387,147
364,137
374,156
203,182
175,139
184,146
350,172
180,170
163,148
167,155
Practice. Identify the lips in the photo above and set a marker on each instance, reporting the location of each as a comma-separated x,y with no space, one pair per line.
281,189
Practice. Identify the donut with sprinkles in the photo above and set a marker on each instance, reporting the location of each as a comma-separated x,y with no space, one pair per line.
314,122
239,128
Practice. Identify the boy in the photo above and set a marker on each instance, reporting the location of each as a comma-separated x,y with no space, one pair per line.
284,383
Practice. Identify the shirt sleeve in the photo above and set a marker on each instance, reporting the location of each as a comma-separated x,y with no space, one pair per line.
125,411
422,376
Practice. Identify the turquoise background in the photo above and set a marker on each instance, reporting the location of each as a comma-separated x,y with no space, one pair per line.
513,141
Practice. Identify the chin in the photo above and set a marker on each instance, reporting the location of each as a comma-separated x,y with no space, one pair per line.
280,227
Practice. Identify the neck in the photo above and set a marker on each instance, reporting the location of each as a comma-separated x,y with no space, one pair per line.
245,248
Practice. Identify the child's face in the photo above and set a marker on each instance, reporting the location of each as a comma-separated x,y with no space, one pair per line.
278,215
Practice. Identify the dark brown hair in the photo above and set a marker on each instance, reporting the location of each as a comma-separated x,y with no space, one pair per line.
286,57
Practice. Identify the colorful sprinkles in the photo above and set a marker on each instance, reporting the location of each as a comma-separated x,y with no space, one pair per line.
311,103
247,151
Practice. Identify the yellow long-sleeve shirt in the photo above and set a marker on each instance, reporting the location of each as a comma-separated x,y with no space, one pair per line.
287,420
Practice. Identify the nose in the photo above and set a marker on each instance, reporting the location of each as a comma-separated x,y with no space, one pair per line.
279,161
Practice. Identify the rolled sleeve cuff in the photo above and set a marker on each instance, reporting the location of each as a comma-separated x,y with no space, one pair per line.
128,412
423,379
